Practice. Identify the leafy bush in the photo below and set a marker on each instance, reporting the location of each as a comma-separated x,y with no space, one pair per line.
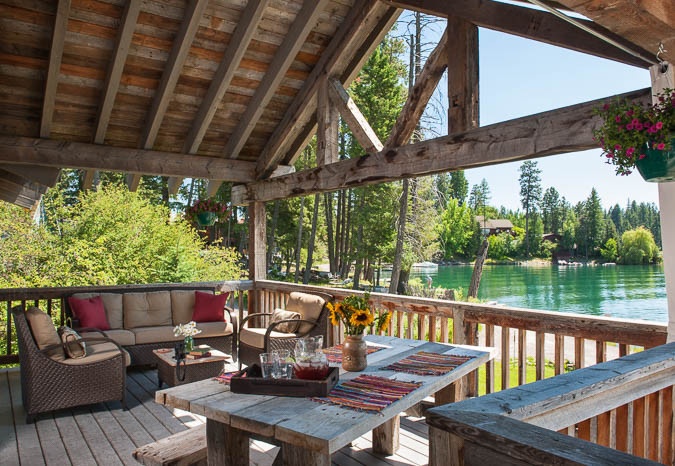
638,247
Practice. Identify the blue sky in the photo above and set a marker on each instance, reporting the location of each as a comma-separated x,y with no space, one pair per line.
519,77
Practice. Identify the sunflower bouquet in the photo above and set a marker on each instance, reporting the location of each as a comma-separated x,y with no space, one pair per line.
356,315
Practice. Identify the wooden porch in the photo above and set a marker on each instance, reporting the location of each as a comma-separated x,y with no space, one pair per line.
105,434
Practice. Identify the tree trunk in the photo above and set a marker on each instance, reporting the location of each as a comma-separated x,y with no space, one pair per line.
328,200
298,247
358,267
478,269
398,254
312,236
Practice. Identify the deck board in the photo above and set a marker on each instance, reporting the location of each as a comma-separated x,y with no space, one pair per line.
104,434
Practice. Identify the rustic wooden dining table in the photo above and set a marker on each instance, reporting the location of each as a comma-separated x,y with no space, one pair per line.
307,431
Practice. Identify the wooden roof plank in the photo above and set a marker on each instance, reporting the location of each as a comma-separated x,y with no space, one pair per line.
172,71
301,27
567,129
86,156
529,23
54,69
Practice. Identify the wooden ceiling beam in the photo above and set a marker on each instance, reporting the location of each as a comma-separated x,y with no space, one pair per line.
366,19
424,87
114,75
283,58
361,129
54,68
644,23
46,176
172,70
531,24
563,130
239,42
52,153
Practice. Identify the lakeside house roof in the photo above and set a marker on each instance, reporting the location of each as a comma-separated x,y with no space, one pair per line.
495,224
232,90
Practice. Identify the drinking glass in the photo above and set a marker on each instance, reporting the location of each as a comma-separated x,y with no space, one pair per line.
269,366
285,363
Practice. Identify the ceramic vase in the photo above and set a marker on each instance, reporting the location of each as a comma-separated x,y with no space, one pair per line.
354,353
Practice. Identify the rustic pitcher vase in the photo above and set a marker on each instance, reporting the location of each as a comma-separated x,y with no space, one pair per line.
354,353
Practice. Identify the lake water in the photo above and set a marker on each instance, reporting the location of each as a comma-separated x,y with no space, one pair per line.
628,291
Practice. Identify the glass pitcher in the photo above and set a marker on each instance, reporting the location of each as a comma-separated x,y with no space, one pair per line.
310,361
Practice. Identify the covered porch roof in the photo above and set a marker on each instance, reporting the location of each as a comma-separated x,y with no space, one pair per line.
232,90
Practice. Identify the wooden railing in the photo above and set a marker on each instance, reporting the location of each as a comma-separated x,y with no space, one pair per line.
624,405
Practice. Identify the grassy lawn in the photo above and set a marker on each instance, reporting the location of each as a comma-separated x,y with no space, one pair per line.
513,375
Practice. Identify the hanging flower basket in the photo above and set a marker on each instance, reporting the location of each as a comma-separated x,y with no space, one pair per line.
206,219
658,166
206,212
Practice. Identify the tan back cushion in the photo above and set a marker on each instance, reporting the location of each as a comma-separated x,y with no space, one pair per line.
112,303
182,305
44,332
307,305
287,327
147,309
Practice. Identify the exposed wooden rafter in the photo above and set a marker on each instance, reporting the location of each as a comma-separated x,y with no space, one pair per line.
55,56
328,122
172,70
361,129
418,98
299,122
563,130
112,80
244,32
529,23
52,153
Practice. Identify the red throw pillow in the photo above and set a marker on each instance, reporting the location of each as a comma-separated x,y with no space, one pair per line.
90,312
209,307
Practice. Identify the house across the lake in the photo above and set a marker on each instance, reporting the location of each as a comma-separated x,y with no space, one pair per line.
494,226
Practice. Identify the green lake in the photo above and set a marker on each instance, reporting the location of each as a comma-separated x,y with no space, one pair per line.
629,291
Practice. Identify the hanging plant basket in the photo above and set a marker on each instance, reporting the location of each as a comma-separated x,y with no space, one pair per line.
206,219
659,165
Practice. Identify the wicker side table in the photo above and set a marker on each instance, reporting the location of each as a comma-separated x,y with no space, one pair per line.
195,369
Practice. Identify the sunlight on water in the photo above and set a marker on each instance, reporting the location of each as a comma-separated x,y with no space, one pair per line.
631,292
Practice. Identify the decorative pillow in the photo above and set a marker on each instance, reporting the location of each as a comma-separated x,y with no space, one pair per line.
209,307
90,312
75,347
308,305
287,327
44,332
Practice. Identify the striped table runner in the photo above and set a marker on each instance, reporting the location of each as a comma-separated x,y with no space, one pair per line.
368,393
425,363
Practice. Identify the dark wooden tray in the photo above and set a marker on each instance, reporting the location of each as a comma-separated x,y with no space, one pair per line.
285,387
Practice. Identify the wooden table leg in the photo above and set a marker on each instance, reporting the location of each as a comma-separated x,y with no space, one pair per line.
451,393
294,455
385,437
225,445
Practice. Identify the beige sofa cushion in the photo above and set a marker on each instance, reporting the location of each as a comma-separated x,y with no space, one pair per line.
183,305
99,352
145,335
44,332
120,336
112,303
214,329
307,305
287,327
147,309
256,336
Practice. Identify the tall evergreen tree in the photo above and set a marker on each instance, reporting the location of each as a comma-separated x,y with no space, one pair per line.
530,194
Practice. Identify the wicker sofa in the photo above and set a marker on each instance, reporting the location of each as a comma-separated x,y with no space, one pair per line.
141,321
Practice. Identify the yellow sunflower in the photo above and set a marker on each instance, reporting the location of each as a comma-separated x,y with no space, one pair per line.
335,313
384,322
361,317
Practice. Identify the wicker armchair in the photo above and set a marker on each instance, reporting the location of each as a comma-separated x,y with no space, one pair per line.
48,384
253,341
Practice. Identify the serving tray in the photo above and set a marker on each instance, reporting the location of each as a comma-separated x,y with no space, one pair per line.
285,387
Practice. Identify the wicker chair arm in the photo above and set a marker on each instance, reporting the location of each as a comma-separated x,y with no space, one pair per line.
250,316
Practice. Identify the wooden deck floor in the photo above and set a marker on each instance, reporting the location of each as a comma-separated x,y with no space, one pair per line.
105,434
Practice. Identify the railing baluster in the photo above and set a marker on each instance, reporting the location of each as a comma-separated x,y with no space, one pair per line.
432,328
559,354
522,356
603,429
579,352
506,356
639,430
600,351
621,427
445,334
540,360
399,324
490,366
421,327
652,428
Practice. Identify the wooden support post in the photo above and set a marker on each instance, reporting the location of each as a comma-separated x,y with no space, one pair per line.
462,75
257,257
663,76
327,119
226,446
445,448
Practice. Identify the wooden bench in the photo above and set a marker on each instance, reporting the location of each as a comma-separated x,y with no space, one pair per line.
181,449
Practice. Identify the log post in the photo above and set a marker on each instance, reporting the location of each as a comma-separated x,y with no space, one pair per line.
663,76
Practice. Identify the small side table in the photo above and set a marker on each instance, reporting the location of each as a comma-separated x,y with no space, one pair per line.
195,369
